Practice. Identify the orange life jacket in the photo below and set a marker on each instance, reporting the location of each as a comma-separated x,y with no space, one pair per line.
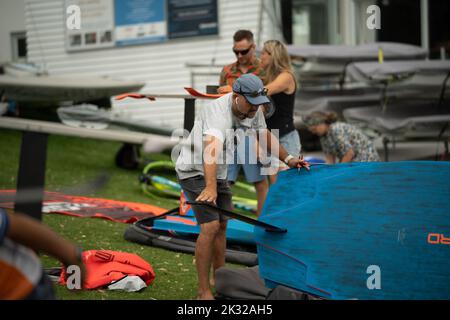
105,266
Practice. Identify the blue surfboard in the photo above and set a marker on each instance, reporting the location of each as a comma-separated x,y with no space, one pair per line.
360,231
237,231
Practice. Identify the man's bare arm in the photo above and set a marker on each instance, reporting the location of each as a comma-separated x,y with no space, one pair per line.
272,145
37,236
213,147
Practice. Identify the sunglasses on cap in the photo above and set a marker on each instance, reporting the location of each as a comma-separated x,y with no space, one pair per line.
254,94
242,52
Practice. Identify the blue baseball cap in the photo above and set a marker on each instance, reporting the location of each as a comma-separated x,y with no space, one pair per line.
252,88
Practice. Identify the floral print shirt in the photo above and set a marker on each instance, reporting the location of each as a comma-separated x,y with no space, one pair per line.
231,72
342,137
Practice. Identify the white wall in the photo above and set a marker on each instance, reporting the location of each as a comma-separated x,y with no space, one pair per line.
162,65
12,19
362,33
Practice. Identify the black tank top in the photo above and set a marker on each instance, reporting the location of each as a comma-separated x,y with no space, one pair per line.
283,117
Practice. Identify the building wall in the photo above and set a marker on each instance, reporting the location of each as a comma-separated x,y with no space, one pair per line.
162,65
12,19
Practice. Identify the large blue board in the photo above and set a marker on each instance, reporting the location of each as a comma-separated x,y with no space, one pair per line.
360,231
237,231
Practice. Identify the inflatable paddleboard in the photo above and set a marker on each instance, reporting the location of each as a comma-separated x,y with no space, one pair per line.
360,231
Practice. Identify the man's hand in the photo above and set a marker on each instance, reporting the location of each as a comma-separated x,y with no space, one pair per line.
298,163
209,194
39,237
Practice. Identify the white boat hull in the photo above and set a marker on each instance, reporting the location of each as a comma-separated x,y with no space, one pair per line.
56,89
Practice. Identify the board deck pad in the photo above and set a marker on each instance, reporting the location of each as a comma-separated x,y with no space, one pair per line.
376,230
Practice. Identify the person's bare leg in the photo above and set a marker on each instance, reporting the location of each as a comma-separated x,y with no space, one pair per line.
203,256
262,187
220,245
273,178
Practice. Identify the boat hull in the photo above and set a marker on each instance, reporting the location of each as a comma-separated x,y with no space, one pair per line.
53,89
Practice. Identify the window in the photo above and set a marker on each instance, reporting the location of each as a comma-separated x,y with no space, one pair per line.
439,31
400,21
19,46
315,22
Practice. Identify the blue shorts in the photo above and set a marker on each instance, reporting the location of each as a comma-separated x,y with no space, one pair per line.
245,158
291,142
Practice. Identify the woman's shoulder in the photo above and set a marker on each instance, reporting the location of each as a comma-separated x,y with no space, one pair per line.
287,76
288,79
339,127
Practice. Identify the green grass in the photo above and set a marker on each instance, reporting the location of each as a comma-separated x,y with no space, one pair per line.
71,161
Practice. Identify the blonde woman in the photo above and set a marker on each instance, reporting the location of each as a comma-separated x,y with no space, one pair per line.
281,86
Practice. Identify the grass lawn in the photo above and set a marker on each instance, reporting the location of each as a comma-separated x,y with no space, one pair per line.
71,161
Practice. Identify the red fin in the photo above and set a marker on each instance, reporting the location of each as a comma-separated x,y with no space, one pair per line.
134,96
199,94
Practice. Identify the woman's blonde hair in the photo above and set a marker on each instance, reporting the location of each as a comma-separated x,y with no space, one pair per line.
281,61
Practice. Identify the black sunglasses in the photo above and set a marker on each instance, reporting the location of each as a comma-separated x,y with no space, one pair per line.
242,52
254,94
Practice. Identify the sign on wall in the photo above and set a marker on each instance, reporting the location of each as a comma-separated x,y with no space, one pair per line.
89,24
94,24
189,18
140,21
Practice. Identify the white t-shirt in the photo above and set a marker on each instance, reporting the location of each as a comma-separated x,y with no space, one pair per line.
216,120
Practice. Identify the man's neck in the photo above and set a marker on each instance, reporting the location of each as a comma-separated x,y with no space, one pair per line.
245,67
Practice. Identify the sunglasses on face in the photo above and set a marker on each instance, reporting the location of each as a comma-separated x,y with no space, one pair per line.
242,52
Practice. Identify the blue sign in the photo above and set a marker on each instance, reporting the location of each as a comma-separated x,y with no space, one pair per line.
140,21
189,18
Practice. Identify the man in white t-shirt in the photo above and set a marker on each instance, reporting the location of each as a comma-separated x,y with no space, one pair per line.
202,166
